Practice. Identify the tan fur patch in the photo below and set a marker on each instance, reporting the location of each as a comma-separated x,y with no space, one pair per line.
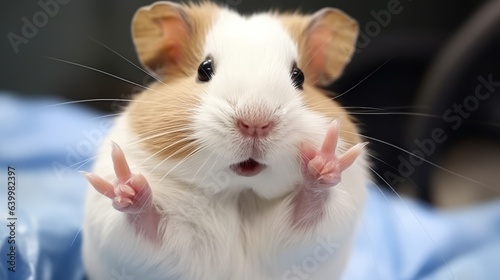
295,24
161,116
166,108
153,45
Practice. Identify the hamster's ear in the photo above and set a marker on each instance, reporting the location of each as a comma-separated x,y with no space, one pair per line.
168,37
326,43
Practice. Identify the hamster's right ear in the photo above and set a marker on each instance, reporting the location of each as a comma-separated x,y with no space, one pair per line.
326,41
168,37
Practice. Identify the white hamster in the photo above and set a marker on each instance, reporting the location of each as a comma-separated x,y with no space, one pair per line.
235,164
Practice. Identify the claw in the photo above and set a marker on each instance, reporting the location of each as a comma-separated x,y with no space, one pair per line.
121,203
124,190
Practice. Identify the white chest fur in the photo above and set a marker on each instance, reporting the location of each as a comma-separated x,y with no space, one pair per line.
214,237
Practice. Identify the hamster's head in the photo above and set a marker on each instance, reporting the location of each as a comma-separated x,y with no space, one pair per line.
237,95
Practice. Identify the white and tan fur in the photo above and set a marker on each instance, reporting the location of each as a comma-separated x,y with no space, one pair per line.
216,224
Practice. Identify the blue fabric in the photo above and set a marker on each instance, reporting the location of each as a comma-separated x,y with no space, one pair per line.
396,239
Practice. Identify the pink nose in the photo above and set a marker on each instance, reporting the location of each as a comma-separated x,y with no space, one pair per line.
254,128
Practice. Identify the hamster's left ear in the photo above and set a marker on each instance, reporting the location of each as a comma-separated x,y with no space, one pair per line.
168,37
326,42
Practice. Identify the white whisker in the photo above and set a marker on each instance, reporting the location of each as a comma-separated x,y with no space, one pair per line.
423,159
136,66
373,72
100,71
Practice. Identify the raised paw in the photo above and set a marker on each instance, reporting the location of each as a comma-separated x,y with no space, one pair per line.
129,192
323,168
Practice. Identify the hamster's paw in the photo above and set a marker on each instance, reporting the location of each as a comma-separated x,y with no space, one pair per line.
130,193
323,168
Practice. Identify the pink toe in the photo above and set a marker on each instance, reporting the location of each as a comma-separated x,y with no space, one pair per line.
124,191
331,138
101,185
350,156
138,182
330,167
122,170
316,165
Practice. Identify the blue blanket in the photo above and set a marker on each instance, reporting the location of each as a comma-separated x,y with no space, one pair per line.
397,238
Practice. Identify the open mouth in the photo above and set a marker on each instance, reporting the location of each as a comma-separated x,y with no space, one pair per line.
248,168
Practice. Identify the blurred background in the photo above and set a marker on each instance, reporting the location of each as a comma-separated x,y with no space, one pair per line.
425,78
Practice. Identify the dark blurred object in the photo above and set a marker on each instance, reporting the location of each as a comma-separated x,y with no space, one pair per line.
462,86
398,41
456,67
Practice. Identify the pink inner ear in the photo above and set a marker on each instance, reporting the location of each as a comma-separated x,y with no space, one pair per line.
317,45
175,33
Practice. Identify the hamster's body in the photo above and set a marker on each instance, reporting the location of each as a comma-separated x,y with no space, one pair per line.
215,238
213,222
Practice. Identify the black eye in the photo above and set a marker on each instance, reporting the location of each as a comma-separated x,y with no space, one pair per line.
205,70
297,77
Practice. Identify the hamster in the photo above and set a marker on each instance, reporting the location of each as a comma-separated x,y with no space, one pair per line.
235,164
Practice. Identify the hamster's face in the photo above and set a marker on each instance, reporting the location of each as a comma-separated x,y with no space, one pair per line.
251,114
242,115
